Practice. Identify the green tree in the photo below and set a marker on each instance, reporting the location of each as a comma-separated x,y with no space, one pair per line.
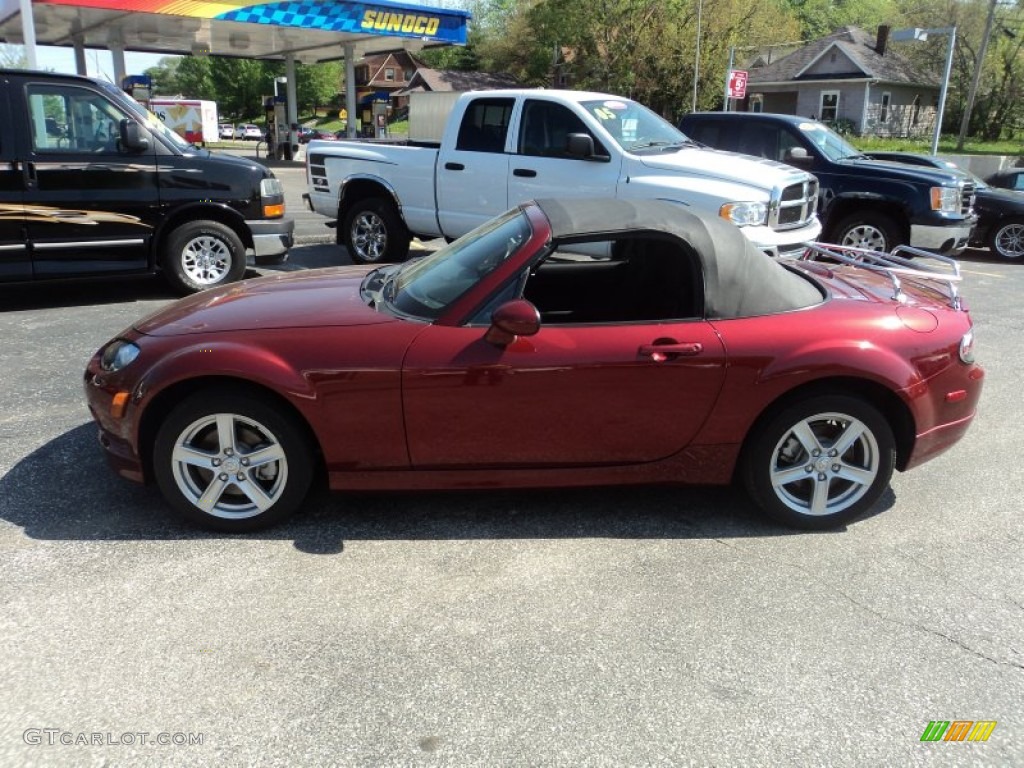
317,85
164,76
13,56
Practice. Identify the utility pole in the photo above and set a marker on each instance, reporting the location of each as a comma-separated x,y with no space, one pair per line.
966,119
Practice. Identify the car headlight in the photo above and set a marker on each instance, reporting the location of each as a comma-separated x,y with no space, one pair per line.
946,199
744,214
117,355
271,188
967,347
273,198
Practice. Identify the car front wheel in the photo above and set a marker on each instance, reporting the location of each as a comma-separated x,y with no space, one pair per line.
231,461
1008,239
821,462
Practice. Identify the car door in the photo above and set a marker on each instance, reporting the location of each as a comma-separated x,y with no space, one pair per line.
91,208
606,380
542,166
14,258
471,177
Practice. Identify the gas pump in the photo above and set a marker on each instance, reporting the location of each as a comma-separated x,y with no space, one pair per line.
278,146
139,87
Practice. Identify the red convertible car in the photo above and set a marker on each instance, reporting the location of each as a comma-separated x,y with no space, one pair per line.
564,343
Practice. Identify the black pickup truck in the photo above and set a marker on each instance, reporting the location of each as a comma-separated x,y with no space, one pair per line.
92,184
862,202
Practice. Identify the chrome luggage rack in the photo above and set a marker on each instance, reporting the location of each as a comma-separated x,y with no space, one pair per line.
901,261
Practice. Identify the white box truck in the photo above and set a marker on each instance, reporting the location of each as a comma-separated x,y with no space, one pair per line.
194,120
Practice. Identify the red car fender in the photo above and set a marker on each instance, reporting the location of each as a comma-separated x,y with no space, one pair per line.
754,382
260,367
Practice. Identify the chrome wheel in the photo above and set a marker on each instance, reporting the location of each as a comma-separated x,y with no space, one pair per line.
1008,240
824,464
369,237
206,260
229,466
865,236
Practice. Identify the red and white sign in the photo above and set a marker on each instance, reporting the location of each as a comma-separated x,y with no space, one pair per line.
737,84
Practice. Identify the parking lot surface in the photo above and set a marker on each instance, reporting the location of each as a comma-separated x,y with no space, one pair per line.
566,628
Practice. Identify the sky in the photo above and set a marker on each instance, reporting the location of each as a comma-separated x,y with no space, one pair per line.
99,62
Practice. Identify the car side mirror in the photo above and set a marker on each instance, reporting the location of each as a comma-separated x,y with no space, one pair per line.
797,156
510,320
132,138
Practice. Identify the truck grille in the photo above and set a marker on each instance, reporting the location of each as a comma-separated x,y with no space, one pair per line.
794,206
966,198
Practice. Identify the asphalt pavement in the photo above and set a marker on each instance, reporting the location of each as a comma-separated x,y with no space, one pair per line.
623,627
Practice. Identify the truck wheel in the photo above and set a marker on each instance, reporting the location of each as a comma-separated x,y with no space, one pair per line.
202,254
1008,239
374,232
870,230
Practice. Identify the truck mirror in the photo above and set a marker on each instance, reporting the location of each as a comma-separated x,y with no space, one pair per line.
797,155
580,145
132,138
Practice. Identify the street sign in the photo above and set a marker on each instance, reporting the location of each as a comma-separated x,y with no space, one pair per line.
737,84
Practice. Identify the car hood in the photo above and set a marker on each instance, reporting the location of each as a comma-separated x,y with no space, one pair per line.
867,166
998,200
314,298
718,164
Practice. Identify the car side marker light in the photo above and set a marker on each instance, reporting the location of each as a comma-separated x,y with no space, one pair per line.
118,404
956,396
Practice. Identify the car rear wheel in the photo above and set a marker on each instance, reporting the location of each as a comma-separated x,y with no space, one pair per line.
870,230
821,462
232,462
1008,239
374,232
202,254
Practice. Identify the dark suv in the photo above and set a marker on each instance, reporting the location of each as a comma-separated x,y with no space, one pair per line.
862,202
91,184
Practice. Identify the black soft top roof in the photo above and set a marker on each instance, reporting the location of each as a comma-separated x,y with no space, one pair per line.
739,280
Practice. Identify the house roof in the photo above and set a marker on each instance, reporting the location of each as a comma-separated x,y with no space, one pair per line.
453,80
859,47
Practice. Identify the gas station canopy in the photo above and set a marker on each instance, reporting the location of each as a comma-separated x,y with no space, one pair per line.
307,31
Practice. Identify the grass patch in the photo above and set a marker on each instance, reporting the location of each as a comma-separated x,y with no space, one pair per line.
947,146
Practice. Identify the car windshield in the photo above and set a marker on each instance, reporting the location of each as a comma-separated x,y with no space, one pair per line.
425,288
831,144
634,127
154,123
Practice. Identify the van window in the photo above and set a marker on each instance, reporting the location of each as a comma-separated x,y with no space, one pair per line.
66,118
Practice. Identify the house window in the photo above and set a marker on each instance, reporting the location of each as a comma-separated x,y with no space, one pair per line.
883,114
829,106
389,74
756,102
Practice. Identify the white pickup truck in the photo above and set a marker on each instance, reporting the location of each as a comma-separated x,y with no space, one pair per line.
500,148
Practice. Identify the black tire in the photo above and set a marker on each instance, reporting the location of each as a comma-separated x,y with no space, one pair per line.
871,230
374,233
227,466
851,480
1007,239
202,254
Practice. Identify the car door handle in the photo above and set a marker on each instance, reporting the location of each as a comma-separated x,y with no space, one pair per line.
454,167
527,172
660,351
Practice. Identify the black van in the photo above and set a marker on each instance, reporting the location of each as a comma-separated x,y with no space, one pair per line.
93,184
